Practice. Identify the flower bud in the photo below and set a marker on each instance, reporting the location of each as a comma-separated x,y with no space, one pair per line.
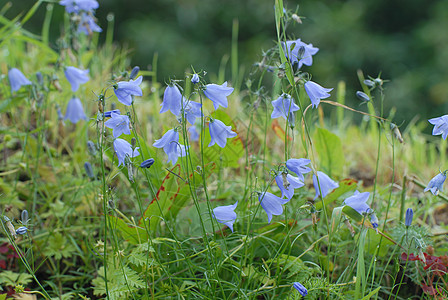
396,132
21,230
91,148
108,114
301,52
291,120
362,96
195,78
134,72
89,170
133,142
24,217
369,83
409,216
147,163
296,18
40,78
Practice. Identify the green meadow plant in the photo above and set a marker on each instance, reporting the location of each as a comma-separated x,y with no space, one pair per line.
204,187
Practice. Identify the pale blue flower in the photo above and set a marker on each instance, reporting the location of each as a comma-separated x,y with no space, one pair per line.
326,184
283,106
225,215
316,92
436,184
409,216
192,111
195,78
194,134
75,6
305,57
287,183
125,90
271,204
87,24
175,152
358,202
218,94
172,100
298,166
299,287
123,149
119,124
170,144
75,111
219,133
76,77
17,79
440,126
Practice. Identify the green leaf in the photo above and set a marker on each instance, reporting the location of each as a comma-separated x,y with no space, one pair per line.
329,149
336,218
59,247
374,292
132,233
10,278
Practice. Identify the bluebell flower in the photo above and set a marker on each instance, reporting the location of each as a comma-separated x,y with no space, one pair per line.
87,24
358,202
147,163
436,184
271,204
108,114
440,126
299,287
219,133
21,230
218,94
76,77
316,92
122,149
195,78
17,79
119,124
283,106
168,141
125,90
304,58
75,6
326,184
194,134
287,183
409,216
175,152
225,215
192,111
172,100
298,166
75,111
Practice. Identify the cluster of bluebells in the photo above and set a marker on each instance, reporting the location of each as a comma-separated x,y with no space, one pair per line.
83,12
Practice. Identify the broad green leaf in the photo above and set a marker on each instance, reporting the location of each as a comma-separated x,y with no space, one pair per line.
130,232
336,218
374,292
329,149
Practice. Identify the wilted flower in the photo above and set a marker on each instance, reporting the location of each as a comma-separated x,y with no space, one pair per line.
409,216
300,57
119,124
218,94
302,290
75,6
271,204
436,184
362,96
87,24
17,79
287,183
283,106
358,202
21,230
89,170
76,77
194,134
195,78
298,166
225,215
326,184
125,90
75,111
123,149
108,114
440,126
172,100
219,133
147,163
316,92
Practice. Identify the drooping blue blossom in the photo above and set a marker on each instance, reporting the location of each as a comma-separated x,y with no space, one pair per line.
409,216
298,166
299,287
326,184
358,202
305,57
194,134
226,214
87,24
122,149
283,106
195,78
75,111
17,79
76,77
172,100
218,94
287,183
271,204
219,133
175,152
147,163
192,111
440,126
119,124
168,141
125,90
436,184
75,6
108,114
316,92
21,230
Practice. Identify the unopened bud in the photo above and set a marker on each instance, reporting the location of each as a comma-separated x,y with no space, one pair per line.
134,72
108,114
147,163
111,204
195,78
40,78
291,119
21,230
296,18
301,52
396,132
24,217
133,142
89,170
369,83
362,96
91,148
286,183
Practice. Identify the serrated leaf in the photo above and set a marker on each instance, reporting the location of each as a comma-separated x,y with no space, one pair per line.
140,259
329,149
59,247
10,278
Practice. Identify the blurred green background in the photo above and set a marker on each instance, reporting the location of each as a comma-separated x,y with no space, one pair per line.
407,41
